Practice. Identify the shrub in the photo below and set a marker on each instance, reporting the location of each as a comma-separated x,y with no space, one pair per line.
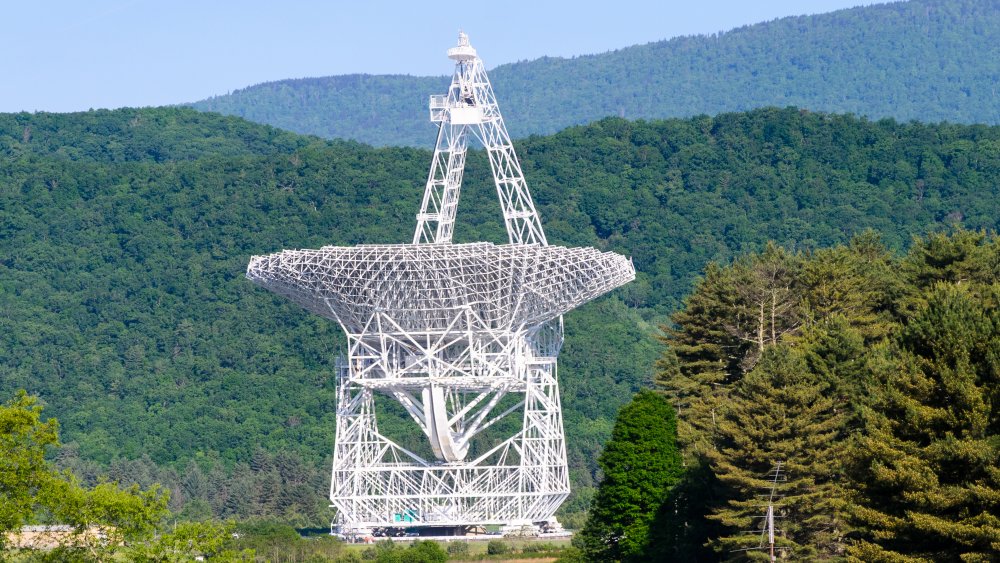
458,548
424,552
535,547
497,547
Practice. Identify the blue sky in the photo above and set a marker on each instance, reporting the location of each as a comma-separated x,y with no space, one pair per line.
72,55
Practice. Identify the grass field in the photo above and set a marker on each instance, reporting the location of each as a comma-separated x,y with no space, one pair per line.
548,550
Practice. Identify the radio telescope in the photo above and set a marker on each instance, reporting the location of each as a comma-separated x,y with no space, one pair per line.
463,336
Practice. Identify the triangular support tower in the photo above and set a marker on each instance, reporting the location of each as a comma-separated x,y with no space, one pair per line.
470,109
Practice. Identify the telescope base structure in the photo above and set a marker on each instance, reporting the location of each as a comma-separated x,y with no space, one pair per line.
463,336
516,481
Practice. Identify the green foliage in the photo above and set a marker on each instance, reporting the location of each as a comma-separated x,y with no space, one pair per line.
498,547
187,541
760,363
425,552
24,473
386,551
676,195
682,525
279,542
124,237
571,555
878,394
641,463
753,363
268,533
965,257
280,485
458,549
836,300
119,514
782,412
536,547
927,467
907,60
100,518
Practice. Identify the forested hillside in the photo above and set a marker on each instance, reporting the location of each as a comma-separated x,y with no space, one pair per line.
930,60
124,236
852,389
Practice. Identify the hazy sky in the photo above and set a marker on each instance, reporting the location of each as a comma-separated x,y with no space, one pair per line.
70,55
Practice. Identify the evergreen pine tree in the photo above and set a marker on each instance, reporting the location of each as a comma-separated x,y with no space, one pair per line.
830,305
731,317
856,283
927,466
781,412
960,256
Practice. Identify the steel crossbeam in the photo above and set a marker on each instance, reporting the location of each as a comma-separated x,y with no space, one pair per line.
463,336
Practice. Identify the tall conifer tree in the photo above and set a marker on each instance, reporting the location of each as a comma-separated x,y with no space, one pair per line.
731,317
828,306
781,412
927,466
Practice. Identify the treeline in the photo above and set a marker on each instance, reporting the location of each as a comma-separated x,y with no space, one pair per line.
854,390
277,486
906,60
125,235
126,310
48,515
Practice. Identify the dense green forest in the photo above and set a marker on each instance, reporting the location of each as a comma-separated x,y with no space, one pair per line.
124,236
73,522
929,60
869,379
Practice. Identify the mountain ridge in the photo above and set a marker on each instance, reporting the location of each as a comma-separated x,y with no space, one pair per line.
930,60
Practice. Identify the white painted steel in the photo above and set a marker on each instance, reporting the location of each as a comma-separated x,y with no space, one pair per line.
470,109
463,336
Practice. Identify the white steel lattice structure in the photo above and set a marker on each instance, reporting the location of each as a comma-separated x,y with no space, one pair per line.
462,335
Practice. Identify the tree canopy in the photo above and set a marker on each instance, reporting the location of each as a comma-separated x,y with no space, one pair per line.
124,238
32,490
877,393
640,463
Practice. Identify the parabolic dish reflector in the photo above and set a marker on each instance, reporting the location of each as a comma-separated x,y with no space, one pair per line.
421,286
465,337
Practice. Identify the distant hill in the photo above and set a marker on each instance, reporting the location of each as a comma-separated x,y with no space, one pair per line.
930,60
125,235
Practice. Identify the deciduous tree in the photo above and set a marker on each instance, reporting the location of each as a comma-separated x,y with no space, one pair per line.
102,517
641,463
24,473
